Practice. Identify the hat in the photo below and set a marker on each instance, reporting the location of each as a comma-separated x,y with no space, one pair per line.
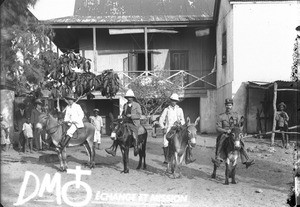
38,101
282,104
96,110
70,97
228,101
174,97
129,94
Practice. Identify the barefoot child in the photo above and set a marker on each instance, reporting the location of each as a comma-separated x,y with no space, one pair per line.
28,133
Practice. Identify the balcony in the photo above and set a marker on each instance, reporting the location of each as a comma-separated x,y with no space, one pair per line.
192,83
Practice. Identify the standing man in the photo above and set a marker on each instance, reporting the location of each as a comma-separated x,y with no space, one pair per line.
20,119
5,141
171,116
224,127
35,113
131,115
98,124
282,119
74,118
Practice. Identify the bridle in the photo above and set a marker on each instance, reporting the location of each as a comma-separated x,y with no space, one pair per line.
48,129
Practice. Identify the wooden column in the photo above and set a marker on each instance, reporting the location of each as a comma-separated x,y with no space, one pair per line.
274,116
146,48
95,49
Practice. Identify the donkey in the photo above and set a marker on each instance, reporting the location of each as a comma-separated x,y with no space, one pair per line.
84,136
231,149
123,137
178,145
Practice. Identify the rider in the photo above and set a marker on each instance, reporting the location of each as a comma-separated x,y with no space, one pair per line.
172,115
73,117
131,115
223,126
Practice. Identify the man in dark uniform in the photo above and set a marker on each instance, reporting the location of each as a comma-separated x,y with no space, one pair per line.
131,114
224,127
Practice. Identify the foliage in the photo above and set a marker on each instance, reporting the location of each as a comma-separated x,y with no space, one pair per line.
70,73
295,76
23,39
152,92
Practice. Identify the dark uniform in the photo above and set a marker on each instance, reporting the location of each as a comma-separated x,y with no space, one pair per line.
223,125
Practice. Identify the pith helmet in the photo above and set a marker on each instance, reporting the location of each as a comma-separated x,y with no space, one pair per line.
129,94
174,97
282,104
70,97
228,101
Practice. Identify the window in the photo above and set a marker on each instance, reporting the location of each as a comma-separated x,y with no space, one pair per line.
224,48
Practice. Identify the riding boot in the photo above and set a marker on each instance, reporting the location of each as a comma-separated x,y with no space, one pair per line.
64,142
166,150
112,150
245,158
189,156
217,160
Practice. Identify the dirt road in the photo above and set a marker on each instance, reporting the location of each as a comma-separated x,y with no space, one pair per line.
264,184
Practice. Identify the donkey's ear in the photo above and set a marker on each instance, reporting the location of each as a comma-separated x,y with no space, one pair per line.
231,121
111,116
242,121
188,121
197,120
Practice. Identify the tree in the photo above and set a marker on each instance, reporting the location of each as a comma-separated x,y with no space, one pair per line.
70,73
23,39
295,76
152,92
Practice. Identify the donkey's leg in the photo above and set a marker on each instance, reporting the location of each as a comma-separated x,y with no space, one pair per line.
64,158
91,153
140,160
59,154
125,159
144,154
213,175
233,175
227,171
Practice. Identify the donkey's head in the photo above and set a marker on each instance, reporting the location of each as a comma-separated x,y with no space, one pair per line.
192,130
237,132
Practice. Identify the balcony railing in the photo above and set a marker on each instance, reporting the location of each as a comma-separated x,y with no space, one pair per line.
192,79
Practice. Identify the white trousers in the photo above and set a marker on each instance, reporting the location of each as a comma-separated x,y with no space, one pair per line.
71,130
97,136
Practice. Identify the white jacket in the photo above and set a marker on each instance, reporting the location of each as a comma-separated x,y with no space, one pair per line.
74,114
170,115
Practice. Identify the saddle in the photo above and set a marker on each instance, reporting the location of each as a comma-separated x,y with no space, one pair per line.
78,133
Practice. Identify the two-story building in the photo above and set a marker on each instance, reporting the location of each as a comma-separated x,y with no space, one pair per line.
135,37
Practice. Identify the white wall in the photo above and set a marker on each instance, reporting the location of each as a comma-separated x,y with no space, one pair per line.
263,41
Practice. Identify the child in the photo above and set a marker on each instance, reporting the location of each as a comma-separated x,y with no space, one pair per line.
98,124
282,119
28,133
5,141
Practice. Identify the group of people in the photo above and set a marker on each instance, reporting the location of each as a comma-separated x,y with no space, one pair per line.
171,115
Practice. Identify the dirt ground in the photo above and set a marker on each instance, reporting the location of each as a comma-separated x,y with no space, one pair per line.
266,183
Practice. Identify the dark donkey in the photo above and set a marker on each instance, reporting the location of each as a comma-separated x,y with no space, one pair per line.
178,144
122,137
84,136
231,150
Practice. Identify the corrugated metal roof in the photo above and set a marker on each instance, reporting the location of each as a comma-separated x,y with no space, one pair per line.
139,11
281,84
126,19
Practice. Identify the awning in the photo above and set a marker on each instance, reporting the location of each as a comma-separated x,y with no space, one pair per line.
135,31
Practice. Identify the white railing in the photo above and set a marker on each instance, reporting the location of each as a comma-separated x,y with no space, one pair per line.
192,79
